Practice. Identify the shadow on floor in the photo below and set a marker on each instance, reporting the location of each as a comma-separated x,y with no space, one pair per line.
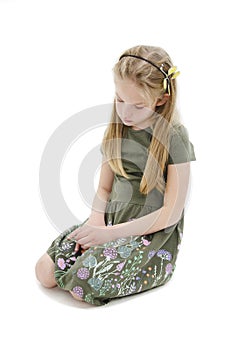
65,298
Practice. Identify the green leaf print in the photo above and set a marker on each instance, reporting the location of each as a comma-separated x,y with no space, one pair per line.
124,252
106,269
95,283
90,261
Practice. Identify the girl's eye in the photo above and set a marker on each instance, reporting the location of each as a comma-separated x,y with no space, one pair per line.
121,101
118,100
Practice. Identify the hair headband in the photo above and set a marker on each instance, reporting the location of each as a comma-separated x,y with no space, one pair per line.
171,74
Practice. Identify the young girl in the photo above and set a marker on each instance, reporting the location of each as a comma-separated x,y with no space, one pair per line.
130,241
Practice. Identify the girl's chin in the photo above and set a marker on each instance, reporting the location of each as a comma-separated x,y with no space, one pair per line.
130,123
127,121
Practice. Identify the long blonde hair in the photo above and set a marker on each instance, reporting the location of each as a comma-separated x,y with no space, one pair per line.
150,81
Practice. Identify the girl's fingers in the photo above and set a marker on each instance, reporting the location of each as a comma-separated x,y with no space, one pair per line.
73,234
78,233
86,245
83,250
77,247
83,241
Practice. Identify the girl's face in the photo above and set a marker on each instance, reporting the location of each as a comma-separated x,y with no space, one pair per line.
131,107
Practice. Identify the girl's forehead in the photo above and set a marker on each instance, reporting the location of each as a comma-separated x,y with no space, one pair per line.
127,89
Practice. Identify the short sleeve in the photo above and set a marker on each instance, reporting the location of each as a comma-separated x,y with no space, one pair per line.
181,150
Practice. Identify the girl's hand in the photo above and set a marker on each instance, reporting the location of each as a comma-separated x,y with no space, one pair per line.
90,235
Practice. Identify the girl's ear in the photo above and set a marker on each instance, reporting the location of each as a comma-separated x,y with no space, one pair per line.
163,100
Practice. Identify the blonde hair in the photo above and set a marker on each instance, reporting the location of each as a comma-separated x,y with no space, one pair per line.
150,81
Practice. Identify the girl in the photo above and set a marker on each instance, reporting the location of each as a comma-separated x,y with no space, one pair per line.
130,241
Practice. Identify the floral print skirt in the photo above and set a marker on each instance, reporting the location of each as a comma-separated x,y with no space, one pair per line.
118,268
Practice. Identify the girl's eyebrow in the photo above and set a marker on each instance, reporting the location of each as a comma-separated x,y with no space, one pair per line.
137,103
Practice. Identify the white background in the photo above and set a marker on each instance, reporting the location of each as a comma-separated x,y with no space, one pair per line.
56,59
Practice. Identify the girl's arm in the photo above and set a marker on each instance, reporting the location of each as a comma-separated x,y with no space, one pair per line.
171,211
100,200
169,214
97,216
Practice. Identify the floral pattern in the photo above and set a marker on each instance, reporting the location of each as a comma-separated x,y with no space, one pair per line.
78,291
110,253
83,273
115,269
128,265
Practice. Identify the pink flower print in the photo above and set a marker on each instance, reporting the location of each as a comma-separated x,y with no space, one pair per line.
78,291
119,267
168,268
164,255
151,254
146,242
110,253
61,263
73,258
83,273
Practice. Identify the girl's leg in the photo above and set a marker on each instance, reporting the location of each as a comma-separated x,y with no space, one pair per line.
44,271
75,296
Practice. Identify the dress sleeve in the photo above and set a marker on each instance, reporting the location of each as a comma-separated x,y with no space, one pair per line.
181,150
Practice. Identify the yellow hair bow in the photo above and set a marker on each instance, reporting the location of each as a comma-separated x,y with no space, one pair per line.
171,74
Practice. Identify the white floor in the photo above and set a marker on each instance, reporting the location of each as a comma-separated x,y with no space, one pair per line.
48,48
190,312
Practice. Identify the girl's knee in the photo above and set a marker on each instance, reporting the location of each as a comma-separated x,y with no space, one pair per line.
44,271
75,296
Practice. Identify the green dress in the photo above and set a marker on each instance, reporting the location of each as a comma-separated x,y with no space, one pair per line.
127,265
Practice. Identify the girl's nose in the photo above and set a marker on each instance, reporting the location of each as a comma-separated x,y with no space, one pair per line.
127,110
